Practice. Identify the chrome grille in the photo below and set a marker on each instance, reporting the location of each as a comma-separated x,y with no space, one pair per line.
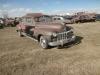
69,34
62,36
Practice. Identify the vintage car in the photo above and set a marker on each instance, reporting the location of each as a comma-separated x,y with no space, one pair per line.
47,33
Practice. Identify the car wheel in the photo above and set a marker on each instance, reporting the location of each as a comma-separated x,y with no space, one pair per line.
43,42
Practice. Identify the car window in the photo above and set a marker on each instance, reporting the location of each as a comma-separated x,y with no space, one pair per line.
28,21
43,19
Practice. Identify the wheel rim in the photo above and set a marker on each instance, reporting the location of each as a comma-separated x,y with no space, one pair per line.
43,43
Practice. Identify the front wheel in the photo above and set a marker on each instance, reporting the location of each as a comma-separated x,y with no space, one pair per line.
43,42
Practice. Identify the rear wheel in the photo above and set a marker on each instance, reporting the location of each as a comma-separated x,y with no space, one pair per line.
43,42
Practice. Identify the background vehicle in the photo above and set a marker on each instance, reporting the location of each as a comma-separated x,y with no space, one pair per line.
82,17
62,20
47,33
10,22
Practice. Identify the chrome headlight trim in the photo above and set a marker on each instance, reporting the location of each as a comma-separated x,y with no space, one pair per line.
54,34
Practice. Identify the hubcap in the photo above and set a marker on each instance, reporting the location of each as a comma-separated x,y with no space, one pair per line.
43,43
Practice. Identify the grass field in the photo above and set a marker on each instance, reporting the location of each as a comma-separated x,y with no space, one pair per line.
22,56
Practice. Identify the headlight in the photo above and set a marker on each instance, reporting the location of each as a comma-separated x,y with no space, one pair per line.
54,34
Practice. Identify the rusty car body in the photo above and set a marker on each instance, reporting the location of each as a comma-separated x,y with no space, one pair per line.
47,33
82,17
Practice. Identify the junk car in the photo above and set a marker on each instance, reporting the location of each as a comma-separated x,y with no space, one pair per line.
41,28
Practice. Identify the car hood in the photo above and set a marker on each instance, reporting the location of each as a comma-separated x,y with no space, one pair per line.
51,27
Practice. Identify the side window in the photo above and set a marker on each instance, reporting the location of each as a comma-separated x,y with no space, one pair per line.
28,21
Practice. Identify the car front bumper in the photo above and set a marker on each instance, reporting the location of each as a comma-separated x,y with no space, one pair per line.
62,42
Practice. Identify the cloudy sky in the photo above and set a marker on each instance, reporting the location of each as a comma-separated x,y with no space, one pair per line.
21,7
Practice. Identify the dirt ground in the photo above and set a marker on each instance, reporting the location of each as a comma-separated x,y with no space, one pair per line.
22,56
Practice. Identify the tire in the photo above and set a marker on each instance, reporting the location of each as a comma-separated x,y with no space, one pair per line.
43,42
20,33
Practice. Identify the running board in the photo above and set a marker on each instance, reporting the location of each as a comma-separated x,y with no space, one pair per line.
30,37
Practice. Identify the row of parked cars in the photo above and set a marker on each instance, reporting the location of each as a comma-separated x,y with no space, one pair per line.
80,17
8,22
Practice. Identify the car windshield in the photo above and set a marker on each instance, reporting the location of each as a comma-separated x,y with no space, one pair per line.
31,21
43,19
28,21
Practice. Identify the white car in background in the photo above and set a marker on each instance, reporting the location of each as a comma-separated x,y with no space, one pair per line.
62,20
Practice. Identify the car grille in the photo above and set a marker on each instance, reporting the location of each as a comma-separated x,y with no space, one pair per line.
70,34
62,36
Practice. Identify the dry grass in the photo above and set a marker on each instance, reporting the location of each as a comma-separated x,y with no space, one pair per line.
22,56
